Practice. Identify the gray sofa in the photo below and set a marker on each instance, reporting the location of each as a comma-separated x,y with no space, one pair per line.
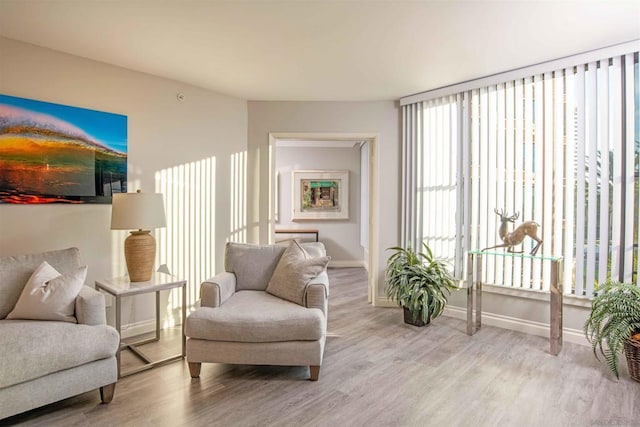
41,361
240,323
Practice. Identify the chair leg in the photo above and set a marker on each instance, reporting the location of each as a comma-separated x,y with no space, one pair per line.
107,392
194,369
315,372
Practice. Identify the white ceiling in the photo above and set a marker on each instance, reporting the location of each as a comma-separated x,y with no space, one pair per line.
320,50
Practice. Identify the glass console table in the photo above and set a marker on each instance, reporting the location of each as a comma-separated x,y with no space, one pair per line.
474,282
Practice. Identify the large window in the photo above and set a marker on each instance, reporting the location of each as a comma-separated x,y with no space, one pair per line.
558,146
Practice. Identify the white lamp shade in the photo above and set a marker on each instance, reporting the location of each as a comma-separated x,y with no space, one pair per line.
142,211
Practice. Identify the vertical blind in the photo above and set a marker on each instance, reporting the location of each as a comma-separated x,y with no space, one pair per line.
559,147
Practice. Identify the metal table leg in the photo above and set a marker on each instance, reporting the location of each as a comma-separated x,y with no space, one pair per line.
157,315
470,328
184,320
478,292
555,309
119,329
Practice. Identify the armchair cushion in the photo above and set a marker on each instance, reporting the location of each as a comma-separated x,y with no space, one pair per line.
271,320
314,249
293,273
49,295
31,349
16,270
90,306
215,291
317,294
253,265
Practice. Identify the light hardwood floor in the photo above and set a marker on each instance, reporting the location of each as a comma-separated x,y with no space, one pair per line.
377,371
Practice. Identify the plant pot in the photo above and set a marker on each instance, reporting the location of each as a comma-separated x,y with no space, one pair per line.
408,318
632,352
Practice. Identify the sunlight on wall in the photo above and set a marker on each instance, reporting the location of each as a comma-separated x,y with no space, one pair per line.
118,264
238,193
187,244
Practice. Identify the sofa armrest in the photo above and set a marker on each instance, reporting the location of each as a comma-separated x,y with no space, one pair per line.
90,307
317,293
216,290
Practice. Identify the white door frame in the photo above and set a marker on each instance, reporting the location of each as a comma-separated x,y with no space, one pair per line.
372,139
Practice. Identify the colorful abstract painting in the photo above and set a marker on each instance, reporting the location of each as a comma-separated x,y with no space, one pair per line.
52,153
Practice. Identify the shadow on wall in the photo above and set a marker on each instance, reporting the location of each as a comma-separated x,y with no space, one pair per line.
187,245
238,196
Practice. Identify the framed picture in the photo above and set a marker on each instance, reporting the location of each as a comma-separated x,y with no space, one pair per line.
320,194
52,153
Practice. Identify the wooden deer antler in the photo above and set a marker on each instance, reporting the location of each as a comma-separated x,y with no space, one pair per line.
527,228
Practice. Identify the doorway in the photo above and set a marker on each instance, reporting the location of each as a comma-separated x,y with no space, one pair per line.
368,143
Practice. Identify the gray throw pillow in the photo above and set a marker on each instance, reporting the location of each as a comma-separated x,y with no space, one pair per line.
294,272
49,295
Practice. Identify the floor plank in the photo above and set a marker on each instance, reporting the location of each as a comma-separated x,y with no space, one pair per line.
377,371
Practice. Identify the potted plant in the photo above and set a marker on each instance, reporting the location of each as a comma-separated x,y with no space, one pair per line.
419,283
615,321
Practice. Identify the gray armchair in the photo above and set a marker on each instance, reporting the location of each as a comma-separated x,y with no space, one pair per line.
45,361
240,323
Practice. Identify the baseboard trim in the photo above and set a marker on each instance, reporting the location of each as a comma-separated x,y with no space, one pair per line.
138,328
384,302
520,325
575,336
149,326
346,264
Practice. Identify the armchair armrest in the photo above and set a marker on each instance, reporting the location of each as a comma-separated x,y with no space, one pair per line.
317,293
90,307
216,290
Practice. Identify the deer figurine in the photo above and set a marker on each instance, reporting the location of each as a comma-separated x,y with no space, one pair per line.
528,228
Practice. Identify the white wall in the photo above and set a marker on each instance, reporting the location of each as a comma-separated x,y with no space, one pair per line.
341,237
382,118
164,134
364,196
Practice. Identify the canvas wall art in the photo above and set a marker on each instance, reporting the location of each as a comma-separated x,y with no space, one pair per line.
52,153
320,195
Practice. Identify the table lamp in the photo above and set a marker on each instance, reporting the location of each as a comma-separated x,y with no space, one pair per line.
140,212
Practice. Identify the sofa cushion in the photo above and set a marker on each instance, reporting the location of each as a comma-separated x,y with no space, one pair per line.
253,265
293,273
256,316
16,270
30,348
49,295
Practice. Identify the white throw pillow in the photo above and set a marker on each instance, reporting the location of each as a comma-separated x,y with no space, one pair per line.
49,295
293,273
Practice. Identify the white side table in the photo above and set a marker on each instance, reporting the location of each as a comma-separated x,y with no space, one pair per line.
121,287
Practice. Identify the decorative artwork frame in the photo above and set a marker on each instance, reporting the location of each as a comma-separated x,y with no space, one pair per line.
320,195
53,153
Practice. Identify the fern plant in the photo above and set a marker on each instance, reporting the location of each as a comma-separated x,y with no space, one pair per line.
614,318
418,282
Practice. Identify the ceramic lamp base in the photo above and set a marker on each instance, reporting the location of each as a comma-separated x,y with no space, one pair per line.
140,254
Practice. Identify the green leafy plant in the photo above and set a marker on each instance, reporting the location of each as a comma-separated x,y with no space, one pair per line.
614,318
418,282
